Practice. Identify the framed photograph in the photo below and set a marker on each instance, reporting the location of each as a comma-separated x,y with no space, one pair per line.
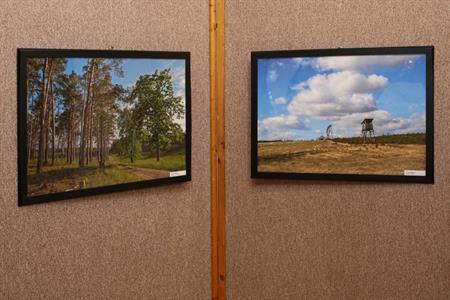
99,121
343,114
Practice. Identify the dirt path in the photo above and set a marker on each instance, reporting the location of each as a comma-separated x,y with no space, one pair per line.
146,173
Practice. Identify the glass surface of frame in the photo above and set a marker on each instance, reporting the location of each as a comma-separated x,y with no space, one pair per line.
98,121
343,114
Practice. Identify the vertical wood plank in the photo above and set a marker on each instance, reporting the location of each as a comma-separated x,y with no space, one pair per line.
217,74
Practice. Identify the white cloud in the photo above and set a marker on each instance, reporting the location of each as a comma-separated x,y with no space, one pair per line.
302,61
363,62
414,123
179,76
280,101
330,96
383,121
272,75
271,135
280,127
283,122
346,96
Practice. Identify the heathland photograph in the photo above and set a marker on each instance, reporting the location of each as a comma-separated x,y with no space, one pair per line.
363,115
95,121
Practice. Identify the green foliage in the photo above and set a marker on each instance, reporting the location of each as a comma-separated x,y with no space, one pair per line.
128,144
155,109
70,94
35,68
108,176
172,162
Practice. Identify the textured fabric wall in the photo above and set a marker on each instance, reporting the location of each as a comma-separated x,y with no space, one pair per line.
147,244
334,240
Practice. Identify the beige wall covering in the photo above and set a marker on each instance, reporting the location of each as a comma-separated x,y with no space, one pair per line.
147,244
334,240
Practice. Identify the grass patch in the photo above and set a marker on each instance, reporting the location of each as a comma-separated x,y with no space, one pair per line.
109,176
171,162
60,164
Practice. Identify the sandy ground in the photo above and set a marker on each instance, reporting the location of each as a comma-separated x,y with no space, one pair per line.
339,158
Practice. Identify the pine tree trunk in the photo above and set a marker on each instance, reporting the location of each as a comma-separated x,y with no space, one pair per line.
52,99
30,140
59,147
47,125
98,140
33,147
73,142
43,111
85,129
158,154
80,135
102,158
69,136
91,124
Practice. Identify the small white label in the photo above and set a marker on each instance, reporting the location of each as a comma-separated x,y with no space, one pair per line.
177,173
414,172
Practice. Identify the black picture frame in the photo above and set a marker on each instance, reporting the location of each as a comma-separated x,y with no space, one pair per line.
22,159
425,50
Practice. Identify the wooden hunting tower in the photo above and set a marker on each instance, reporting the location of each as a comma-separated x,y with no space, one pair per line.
367,130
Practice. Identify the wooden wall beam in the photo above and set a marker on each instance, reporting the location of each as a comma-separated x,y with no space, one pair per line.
217,74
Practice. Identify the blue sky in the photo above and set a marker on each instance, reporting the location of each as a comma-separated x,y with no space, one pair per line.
133,68
299,97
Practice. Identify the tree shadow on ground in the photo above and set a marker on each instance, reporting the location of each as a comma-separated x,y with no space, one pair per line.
64,173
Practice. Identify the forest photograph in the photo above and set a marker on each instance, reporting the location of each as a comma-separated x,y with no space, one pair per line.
102,121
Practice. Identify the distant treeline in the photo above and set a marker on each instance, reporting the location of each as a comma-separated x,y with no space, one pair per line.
407,138
273,141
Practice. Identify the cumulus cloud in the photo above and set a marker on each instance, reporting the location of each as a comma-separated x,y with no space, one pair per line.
280,101
280,127
412,124
330,96
384,123
363,62
271,135
272,75
283,122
